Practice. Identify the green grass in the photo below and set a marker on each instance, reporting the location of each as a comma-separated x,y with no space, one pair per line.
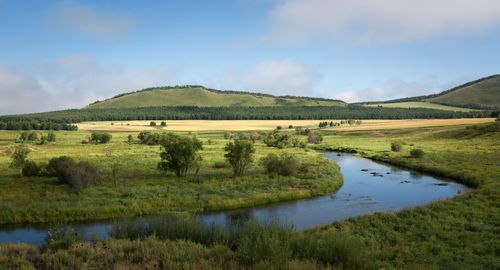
484,92
461,233
42,199
419,104
203,98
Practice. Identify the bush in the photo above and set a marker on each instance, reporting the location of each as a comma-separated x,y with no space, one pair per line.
31,168
163,124
28,136
417,153
277,139
228,135
59,167
396,147
100,137
82,175
314,138
152,123
180,154
61,238
285,165
239,154
149,138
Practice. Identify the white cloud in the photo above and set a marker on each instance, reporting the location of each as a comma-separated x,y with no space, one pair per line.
381,21
88,21
279,77
391,89
71,82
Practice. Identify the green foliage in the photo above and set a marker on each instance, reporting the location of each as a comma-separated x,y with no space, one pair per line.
239,154
163,124
17,123
18,157
28,136
396,146
152,124
286,165
277,139
100,137
179,154
417,153
77,175
31,168
315,138
150,138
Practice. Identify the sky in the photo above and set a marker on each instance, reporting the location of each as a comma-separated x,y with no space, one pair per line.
66,54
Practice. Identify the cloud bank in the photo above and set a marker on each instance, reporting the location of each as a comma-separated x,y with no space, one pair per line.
280,77
70,82
380,21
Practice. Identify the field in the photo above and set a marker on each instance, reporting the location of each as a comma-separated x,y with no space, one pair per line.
461,233
420,104
41,199
245,125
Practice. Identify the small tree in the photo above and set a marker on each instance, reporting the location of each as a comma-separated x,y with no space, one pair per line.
152,123
18,158
130,138
396,147
417,153
163,124
239,155
100,137
60,167
179,154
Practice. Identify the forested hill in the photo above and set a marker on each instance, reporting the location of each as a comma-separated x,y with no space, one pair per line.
199,96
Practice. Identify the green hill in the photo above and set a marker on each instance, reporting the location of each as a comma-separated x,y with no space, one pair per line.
479,94
205,97
485,92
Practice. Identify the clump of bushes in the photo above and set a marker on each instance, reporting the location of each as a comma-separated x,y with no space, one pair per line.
277,139
100,137
150,138
417,153
77,175
396,147
314,138
285,165
28,136
239,154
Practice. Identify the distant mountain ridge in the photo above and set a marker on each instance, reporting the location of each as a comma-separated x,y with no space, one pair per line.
197,95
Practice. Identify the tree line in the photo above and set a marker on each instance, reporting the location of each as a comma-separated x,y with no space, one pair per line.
55,120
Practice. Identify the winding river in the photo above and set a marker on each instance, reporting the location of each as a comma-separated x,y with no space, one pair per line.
368,187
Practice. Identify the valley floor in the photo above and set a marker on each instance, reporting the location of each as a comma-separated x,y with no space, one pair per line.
461,233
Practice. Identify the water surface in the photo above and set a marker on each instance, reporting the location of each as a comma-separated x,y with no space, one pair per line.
368,187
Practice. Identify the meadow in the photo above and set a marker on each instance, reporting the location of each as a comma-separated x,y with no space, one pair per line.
149,191
421,104
461,233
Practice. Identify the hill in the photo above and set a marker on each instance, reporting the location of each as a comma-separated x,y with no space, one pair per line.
483,93
205,97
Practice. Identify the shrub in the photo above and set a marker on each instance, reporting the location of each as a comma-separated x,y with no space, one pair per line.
51,136
396,147
100,137
290,126
130,139
61,238
152,123
285,165
417,153
31,168
279,127
277,139
28,136
163,124
60,167
149,138
180,154
314,138
18,158
82,175
228,135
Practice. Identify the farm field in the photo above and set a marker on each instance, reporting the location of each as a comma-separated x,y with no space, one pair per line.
421,104
247,125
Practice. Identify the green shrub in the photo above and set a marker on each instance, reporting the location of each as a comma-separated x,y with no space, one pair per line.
31,168
417,153
152,123
100,137
285,165
396,146
314,138
61,238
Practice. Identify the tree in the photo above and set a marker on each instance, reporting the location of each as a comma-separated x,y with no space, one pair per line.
18,158
239,155
51,136
163,124
179,154
285,165
130,138
60,167
152,123
82,175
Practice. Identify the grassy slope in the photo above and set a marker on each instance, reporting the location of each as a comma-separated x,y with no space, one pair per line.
203,98
461,233
486,92
35,199
419,104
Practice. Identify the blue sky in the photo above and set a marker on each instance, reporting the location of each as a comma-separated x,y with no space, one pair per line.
66,54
